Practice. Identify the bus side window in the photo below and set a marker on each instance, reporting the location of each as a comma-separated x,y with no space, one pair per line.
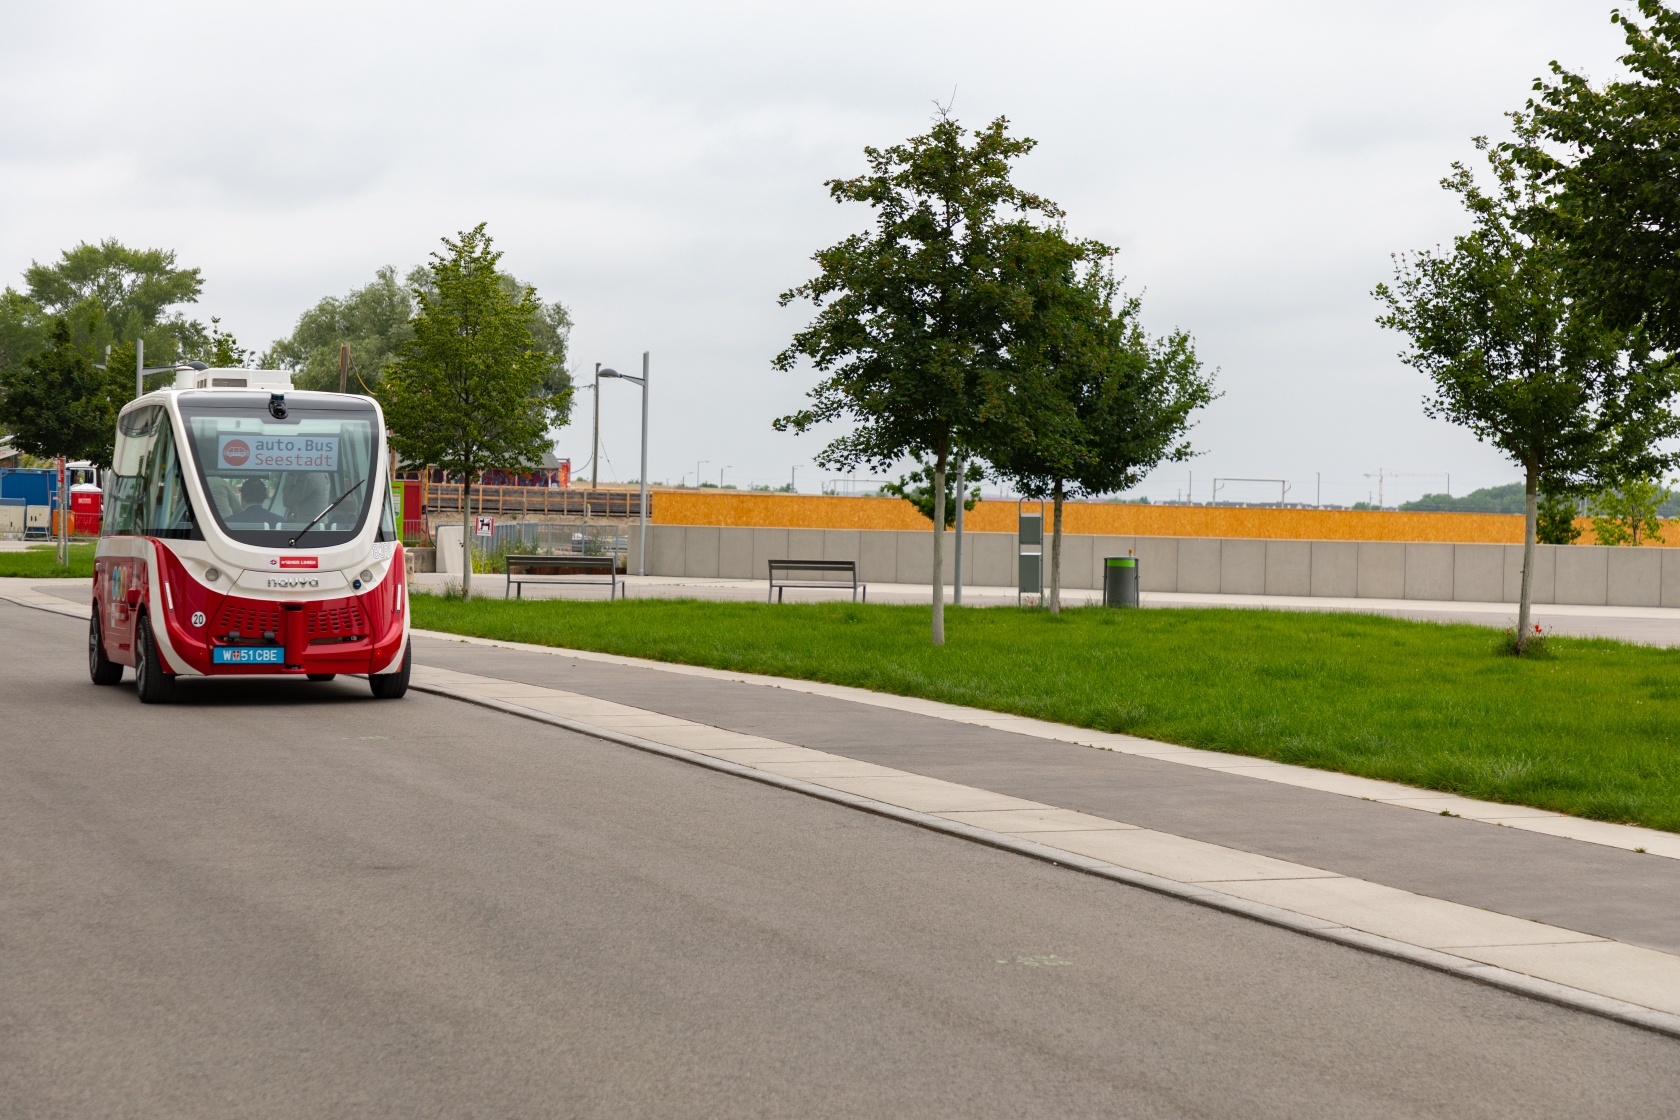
387,526
168,512
124,482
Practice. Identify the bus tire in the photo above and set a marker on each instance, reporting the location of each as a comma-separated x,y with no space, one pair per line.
153,685
101,668
391,686
321,676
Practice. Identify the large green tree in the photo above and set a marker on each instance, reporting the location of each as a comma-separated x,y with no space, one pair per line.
910,316
1522,364
465,392
56,403
109,293
24,328
1607,156
373,319
376,319
1096,403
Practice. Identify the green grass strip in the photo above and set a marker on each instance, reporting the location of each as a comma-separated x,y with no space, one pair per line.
39,561
1589,729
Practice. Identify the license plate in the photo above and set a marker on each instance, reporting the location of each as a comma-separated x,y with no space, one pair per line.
248,655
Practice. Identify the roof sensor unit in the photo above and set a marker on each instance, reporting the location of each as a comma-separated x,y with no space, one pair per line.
277,405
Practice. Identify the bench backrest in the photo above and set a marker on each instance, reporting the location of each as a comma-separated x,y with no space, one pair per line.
848,566
561,565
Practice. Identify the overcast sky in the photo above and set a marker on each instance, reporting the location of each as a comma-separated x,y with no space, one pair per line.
659,170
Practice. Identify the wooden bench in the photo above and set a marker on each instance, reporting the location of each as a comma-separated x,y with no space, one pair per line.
785,567
562,568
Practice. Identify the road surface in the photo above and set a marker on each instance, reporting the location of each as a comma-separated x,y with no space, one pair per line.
285,899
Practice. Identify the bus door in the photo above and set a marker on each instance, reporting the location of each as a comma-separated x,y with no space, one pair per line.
121,578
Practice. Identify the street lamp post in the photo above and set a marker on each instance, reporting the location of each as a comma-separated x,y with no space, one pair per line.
595,440
143,371
641,543
697,475
962,487
720,475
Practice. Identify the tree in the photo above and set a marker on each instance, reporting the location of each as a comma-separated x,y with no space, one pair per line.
464,391
376,319
1624,512
1096,403
55,405
222,350
1523,365
1555,515
909,317
110,293
24,328
917,489
1606,158
107,294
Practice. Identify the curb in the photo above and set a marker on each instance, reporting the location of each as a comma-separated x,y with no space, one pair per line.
1630,1014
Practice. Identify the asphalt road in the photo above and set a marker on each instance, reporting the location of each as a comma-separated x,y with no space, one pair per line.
284,899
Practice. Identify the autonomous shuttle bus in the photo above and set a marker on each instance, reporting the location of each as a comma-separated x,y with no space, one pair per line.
248,529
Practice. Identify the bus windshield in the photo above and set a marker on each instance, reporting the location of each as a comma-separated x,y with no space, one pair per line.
270,479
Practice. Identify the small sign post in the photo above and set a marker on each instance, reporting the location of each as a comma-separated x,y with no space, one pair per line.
486,527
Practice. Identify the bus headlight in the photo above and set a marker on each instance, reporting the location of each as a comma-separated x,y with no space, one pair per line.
212,575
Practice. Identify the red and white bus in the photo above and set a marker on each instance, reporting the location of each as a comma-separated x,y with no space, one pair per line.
248,529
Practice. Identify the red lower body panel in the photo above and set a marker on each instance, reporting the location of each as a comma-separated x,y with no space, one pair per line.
353,634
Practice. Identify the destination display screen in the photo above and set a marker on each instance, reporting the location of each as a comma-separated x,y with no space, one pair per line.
277,453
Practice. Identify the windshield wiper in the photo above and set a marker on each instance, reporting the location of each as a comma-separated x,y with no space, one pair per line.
311,524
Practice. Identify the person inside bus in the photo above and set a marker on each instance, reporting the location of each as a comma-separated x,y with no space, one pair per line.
254,493
224,495
304,494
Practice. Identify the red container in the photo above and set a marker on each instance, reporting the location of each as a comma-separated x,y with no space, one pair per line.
86,502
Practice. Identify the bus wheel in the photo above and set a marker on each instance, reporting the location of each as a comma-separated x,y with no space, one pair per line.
391,686
321,676
101,668
153,684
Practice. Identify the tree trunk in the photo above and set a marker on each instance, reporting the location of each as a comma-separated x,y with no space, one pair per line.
466,536
1531,499
1056,552
939,543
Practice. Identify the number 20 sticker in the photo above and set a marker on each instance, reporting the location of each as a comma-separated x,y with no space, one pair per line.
198,618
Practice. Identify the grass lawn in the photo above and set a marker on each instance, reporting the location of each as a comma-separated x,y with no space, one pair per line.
39,562
1590,730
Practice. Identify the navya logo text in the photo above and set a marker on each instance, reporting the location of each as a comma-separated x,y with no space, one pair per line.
293,583
278,453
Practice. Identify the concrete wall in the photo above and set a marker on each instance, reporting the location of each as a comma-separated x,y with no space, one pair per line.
1584,574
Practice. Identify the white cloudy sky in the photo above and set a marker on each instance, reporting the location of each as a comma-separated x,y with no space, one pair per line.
659,169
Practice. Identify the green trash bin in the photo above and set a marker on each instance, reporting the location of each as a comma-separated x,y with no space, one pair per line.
1120,581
